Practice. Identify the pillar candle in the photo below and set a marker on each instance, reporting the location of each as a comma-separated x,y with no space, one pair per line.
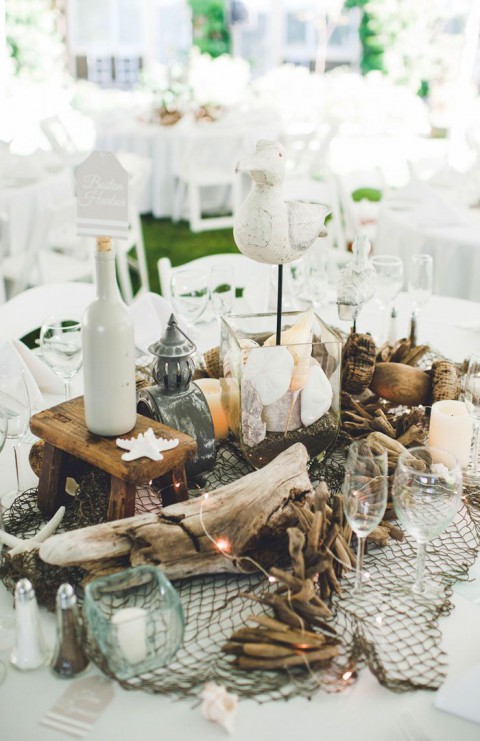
451,429
131,627
212,390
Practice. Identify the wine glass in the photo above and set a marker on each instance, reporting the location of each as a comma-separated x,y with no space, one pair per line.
420,282
365,491
472,400
190,294
318,279
388,283
427,488
222,289
15,399
61,343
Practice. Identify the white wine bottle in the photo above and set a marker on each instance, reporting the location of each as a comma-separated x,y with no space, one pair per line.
108,353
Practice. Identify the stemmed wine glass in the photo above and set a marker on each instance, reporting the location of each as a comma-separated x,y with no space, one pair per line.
61,343
15,399
420,282
222,289
190,294
365,491
472,400
388,283
427,488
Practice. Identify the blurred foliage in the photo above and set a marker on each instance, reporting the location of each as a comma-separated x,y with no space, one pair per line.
375,33
34,45
210,30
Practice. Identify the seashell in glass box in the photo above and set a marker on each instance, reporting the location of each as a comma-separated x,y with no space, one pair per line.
275,396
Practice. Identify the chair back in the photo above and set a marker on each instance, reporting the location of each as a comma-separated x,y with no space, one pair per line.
58,136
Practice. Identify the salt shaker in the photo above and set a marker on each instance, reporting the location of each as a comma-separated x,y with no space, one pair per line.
69,658
30,650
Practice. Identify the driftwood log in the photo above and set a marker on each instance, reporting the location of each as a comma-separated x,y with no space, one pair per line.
251,516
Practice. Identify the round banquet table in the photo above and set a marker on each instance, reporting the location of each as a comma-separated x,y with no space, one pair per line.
163,145
454,245
23,198
364,711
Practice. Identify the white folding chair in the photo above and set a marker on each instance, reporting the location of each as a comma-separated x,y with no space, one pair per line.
26,311
206,158
39,264
247,273
58,136
360,216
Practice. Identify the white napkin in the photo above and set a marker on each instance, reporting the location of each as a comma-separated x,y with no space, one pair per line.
460,696
22,169
414,192
435,212
150,314
38,376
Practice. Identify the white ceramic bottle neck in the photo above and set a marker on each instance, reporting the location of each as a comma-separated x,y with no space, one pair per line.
107,287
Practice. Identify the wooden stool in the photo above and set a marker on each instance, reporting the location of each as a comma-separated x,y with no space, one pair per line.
64,430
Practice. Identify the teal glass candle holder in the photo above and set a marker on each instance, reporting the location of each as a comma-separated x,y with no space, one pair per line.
135,620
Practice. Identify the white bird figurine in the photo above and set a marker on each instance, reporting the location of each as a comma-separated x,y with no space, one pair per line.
267,228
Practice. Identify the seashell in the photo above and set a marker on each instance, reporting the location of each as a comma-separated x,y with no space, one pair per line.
284,414
269,369
298,340
316,397
253,426
228,367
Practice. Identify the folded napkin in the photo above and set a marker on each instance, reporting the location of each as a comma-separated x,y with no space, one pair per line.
150,314
461,696
22,168
435,212
40,379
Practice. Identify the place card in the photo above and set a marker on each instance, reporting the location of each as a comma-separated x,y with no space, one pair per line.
102,197
82,703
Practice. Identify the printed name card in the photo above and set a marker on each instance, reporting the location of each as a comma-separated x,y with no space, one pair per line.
102,197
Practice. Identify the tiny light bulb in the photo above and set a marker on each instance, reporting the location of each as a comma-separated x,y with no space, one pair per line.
223,545
205,495
346,676
272,579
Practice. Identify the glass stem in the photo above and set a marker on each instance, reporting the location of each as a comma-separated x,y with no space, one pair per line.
359,570
68,389
420,568
476,436
17,466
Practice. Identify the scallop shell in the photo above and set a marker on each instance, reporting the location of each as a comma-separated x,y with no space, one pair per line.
298,340
316,396
246,344
269,370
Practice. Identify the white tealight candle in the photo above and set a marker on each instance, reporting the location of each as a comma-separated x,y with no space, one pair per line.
451,429
131,628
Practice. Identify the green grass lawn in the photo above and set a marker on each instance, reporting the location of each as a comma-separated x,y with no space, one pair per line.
163,238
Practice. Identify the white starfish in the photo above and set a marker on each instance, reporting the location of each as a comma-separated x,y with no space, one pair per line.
20,545
145,445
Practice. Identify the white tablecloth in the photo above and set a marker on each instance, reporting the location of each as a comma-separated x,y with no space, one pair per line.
159,143
23,201
366,711
455,247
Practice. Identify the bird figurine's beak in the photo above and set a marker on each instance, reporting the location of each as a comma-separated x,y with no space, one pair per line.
246,165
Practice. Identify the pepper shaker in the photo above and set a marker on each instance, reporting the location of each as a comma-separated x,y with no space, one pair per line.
69,658
30,650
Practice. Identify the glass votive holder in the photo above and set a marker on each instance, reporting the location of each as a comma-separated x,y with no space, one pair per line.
136,620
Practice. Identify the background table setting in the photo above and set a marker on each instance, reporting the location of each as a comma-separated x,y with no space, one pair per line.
269,423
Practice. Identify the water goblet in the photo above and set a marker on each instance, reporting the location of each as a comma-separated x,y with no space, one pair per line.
61,344
388,283
15,400
365,491
427,488
222,289
190,294
472,400
420,283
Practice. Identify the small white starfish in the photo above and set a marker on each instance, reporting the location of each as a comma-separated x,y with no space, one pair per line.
145,445
18,545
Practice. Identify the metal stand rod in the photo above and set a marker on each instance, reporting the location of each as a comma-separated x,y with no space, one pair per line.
279,304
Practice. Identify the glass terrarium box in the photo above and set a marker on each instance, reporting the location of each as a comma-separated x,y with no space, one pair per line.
277,395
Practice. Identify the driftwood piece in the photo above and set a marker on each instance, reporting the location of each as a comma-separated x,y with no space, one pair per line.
251,516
